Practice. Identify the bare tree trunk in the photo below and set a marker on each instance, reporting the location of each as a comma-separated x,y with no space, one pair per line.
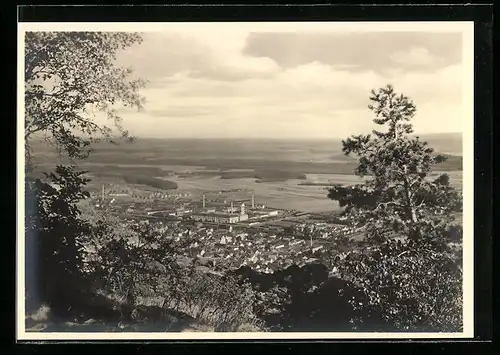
410,207
411,210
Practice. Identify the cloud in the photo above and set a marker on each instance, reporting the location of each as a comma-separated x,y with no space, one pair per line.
181,111
237,68
161,55
443,86
218,83
313,100
415,56
361,50
201,55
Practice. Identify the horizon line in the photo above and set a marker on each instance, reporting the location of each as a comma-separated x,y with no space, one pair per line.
138,137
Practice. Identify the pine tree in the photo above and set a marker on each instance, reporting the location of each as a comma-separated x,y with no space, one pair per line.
397,196
408,271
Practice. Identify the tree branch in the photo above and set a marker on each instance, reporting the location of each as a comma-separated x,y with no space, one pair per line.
420,204
389,203
403,253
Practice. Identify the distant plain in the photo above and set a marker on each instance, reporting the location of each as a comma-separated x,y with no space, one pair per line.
291,174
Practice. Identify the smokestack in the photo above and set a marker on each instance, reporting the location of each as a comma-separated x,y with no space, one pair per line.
203,200
253,199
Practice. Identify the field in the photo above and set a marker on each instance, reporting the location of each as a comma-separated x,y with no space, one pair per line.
282,174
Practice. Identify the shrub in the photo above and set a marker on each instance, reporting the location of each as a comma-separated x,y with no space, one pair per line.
218,301
412,288
55,240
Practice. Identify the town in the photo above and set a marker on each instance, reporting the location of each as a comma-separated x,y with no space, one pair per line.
223,233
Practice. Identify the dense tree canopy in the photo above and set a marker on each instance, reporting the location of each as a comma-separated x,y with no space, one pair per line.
70,75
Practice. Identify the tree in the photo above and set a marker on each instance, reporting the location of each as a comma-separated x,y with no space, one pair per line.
55,241
398,195
134,264
70,75
408,270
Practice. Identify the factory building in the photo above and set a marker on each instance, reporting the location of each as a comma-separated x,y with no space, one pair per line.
221,217
243,215
216,217
231,209
263,213
230,213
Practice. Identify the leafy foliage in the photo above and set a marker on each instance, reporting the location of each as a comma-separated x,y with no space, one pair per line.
55,240
133,263
414,289
410,273
67,76
300,298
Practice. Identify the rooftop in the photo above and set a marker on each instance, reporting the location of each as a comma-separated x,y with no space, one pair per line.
216,214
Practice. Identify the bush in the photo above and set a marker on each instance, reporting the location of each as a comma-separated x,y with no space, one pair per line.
213,300
412,288
55,241
136,264
301,299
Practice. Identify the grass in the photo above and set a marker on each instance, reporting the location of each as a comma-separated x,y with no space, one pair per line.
208,316
195,302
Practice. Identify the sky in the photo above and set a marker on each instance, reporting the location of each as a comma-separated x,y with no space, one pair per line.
230,82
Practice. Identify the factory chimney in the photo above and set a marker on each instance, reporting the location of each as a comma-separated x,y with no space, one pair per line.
253,199
242,208
203,200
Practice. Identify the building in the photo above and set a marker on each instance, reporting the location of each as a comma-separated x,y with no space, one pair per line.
243,215
160,212
231,209
216,217
264,212
207,210
220,217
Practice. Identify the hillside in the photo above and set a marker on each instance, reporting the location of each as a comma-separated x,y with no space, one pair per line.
445,143
266,160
